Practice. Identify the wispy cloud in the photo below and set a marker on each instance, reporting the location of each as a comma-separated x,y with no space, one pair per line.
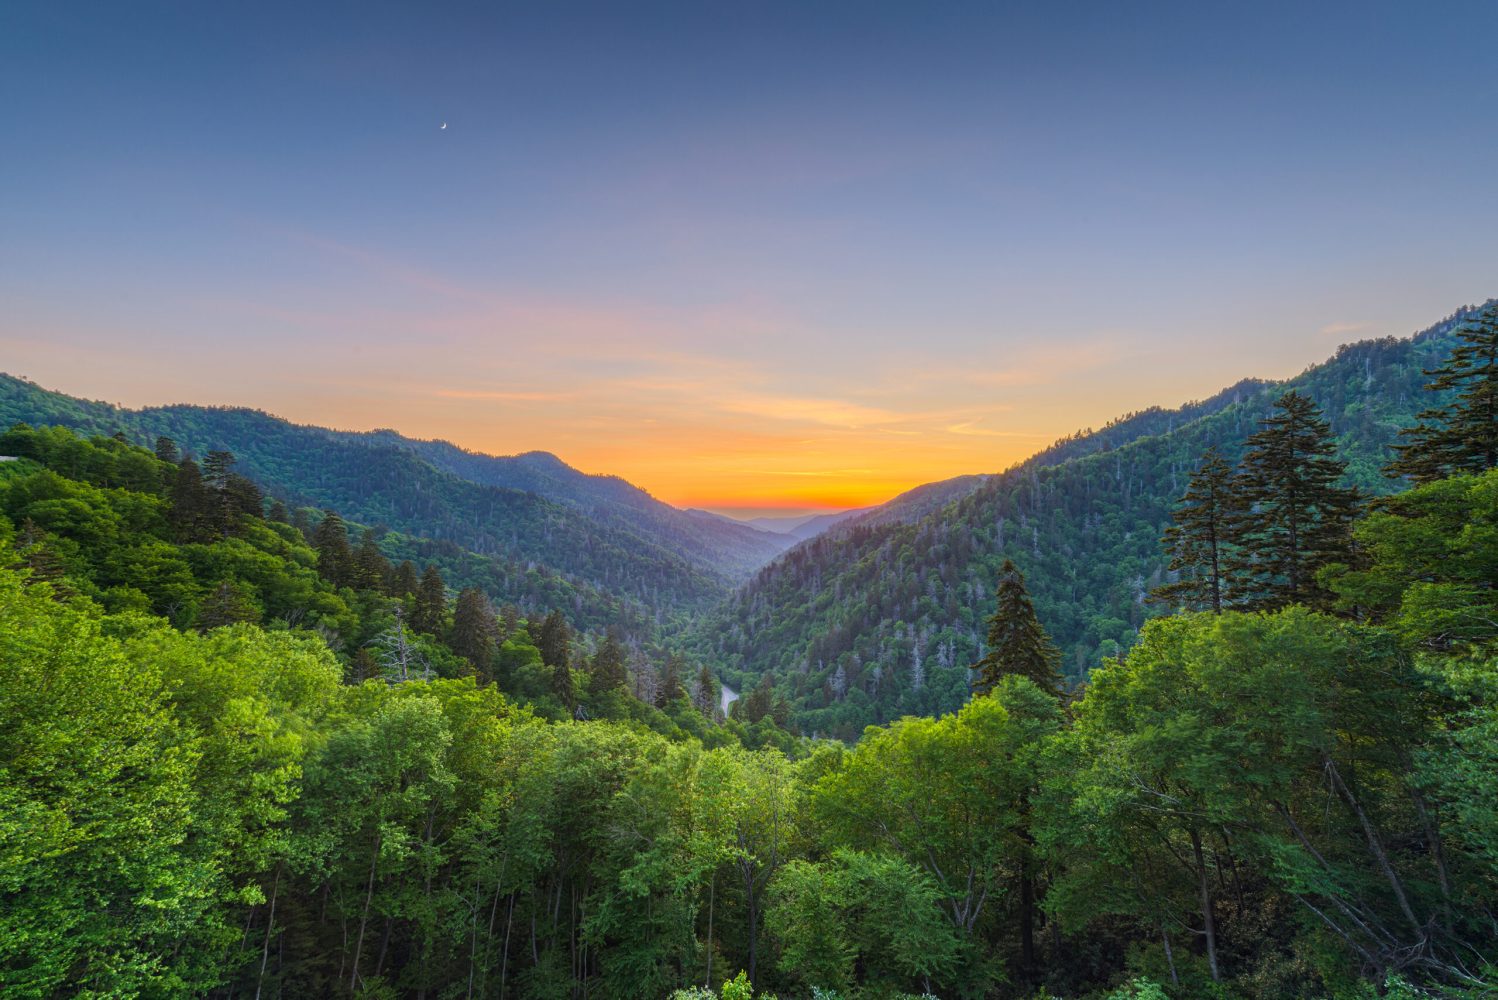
1337,329
971,428
827,412
503,394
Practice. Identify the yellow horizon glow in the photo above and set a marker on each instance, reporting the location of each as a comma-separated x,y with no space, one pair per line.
726,409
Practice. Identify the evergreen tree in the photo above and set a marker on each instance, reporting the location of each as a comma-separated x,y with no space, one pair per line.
370,568
278,513
166,450
473,630
1293,517
1461,436
41,560
508,622
191,504
670,690
429,608
330,539
758,703
217,468
364,667
1197,539
403,581
227,605
1017,643
705,692
563,686
241,497
607,667
554,640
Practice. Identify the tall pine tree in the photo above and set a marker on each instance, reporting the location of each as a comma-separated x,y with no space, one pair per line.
1461,436
554,640
429,607
192,513
608,667
369,569
1294,518
1017,643
1197,540
473,630
334,559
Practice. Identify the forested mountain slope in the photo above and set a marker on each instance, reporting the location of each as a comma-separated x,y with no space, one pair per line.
531,510
874,620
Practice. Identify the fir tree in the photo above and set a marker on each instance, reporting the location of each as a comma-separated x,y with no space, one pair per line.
670,689
705,692
217,468
1197,539
508,622
473,630
1293,517
227,605
370,569
278,512
554,640
429,608
364,667
241,498
607,666
166,450
758,703
330,539
1017,643
404,581
1461,436
191,504
563,686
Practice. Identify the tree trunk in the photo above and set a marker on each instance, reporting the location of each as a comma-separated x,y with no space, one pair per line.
1376,847
270,922
1027,921
353,982
1208,921
711,891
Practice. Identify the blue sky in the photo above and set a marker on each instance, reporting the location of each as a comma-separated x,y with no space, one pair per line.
746,255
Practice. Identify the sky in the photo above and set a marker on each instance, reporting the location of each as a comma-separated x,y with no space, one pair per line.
753,256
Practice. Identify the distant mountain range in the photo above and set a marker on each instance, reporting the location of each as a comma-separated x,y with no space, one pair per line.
532,512
881,615
858,616
795,528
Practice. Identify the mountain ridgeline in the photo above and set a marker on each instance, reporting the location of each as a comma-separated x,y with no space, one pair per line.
528,529
883,615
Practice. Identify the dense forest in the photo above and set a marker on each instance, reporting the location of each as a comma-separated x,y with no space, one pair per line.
883,616
607,541
245,753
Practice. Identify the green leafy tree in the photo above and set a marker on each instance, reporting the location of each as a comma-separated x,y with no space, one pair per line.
1017,643
1429,557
